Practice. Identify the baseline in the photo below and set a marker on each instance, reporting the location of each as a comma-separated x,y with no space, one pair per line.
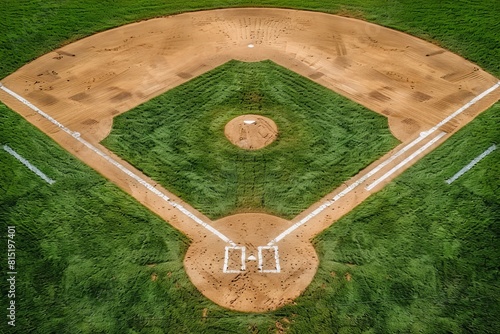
115,163
405,161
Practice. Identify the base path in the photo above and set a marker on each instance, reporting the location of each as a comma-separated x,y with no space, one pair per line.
250,262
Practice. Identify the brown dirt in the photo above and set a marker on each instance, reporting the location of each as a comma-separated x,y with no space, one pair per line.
85,84
251,132
251,290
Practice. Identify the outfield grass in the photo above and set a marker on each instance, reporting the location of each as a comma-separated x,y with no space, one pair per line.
422,255
178,139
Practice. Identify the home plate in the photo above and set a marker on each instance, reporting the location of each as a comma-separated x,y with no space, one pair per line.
252,258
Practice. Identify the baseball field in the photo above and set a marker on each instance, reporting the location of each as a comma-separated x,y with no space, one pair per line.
250,167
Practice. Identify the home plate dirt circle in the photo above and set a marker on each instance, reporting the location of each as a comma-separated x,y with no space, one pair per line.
251,132
255,277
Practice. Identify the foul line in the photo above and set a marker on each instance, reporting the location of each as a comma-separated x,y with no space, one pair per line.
422,136
465,107
471,164
405,161
348,189
28,164
147,185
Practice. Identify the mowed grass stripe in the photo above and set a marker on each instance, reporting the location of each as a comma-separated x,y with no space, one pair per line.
178,140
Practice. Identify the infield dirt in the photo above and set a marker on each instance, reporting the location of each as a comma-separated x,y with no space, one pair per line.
83,85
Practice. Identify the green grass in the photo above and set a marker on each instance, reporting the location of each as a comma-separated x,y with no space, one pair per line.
423,256
178,139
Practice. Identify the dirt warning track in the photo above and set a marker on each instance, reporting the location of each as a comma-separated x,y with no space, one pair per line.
250,262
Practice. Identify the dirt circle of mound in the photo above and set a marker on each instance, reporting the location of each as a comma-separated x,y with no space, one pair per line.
251,132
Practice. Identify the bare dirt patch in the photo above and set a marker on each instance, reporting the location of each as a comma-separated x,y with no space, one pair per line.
251,132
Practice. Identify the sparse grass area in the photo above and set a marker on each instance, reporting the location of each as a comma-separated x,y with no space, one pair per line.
422,256
178,139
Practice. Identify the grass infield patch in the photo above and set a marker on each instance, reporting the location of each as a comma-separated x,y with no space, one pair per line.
178,140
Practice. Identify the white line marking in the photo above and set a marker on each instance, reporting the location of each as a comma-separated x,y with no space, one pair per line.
147,185
422,136
28,164
405,161
471,164
466,106
226,260
347,190
276,259
243,259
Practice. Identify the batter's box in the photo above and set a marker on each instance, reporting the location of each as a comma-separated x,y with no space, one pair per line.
234,259
269,259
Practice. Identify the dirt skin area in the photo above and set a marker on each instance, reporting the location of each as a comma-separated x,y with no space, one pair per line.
83,85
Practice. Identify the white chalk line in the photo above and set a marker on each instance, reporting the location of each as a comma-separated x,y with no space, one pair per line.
405,161
276,260
147,185
347,190
472,164
225,268
30,166
422,136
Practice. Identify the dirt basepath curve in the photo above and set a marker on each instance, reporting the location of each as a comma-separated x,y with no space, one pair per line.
415,84
412,82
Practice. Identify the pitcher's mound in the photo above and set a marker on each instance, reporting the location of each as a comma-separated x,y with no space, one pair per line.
251,132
